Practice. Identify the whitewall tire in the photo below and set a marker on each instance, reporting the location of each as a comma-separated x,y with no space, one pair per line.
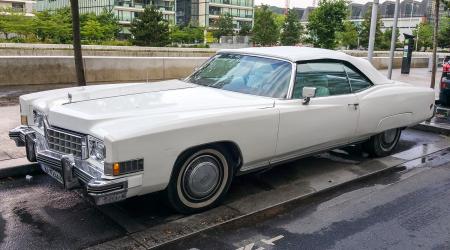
200,180
383,143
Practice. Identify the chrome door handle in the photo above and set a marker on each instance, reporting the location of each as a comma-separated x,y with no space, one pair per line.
354,105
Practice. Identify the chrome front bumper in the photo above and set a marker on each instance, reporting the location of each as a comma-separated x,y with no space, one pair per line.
69,171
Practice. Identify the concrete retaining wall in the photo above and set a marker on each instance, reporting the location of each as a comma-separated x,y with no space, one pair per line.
53,64
20,70
24,49
383,62
26,70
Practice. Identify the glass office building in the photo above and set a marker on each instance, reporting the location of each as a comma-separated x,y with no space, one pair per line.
125,10
205,13
24,6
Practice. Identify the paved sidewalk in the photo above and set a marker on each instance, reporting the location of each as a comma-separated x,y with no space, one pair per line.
9,118
9,115
12,159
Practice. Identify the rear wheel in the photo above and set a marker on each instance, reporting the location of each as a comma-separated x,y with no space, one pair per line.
200,180
384,143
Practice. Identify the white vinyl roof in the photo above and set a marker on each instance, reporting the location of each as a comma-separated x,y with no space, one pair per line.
296,54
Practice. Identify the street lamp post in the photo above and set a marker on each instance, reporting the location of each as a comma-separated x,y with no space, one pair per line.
435,37
373,28
393,39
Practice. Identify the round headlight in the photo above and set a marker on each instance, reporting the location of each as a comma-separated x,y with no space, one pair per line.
96,149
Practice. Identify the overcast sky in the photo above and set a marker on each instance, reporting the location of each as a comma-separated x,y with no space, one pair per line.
297,3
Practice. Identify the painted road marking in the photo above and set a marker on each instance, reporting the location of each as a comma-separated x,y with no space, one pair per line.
271,241
268,242
250,247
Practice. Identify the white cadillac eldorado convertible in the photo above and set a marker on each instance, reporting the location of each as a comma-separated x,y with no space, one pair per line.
241,111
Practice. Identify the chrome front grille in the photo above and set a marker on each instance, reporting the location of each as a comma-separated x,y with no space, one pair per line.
49,161
66,142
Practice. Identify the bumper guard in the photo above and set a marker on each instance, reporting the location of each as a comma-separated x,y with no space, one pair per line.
69,171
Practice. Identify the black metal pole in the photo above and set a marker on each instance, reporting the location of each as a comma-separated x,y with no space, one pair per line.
435,38
77,43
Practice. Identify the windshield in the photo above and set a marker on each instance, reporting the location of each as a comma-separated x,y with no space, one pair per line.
245,74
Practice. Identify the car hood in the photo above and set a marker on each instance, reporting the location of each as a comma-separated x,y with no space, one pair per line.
90,108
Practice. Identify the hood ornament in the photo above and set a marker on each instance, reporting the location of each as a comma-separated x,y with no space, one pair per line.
69,95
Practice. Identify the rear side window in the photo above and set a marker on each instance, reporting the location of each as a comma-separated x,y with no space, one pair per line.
357,80
329,78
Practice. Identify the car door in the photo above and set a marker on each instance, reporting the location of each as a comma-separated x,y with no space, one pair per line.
328,120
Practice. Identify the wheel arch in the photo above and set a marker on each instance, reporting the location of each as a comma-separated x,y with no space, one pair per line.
230,147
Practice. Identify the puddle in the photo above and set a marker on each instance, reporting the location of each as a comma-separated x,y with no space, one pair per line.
433,160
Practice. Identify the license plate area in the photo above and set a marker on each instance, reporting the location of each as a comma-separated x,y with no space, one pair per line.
57,175
110,198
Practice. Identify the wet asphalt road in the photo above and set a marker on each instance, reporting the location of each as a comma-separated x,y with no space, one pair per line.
407,209
41,215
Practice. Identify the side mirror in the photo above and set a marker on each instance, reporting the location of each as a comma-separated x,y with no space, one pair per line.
307,93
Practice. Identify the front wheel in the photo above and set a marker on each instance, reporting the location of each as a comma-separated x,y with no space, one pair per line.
384,143
200,180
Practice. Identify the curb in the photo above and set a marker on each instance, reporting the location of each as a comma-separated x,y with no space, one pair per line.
18,167
146,238
276,208
433,127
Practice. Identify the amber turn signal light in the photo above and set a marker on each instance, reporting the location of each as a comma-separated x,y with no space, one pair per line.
23,120
116,169
124,167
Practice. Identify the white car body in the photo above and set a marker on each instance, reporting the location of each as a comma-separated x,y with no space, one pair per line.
157,122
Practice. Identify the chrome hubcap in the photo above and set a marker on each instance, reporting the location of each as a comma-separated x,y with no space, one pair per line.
389,136
202,177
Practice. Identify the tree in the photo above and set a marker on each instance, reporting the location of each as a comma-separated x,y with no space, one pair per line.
92,31
279,20
53,27
150,28
56,26
444,32
187,34
97,28
365,30
348,37
424,35
386,39
109,23
265,30
14,23
292,29
325,21
246,29
224,26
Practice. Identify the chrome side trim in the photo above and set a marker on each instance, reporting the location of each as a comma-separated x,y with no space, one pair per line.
297,155
307,151
254,165
313,150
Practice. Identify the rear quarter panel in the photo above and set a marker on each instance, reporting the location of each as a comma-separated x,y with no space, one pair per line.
393,105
